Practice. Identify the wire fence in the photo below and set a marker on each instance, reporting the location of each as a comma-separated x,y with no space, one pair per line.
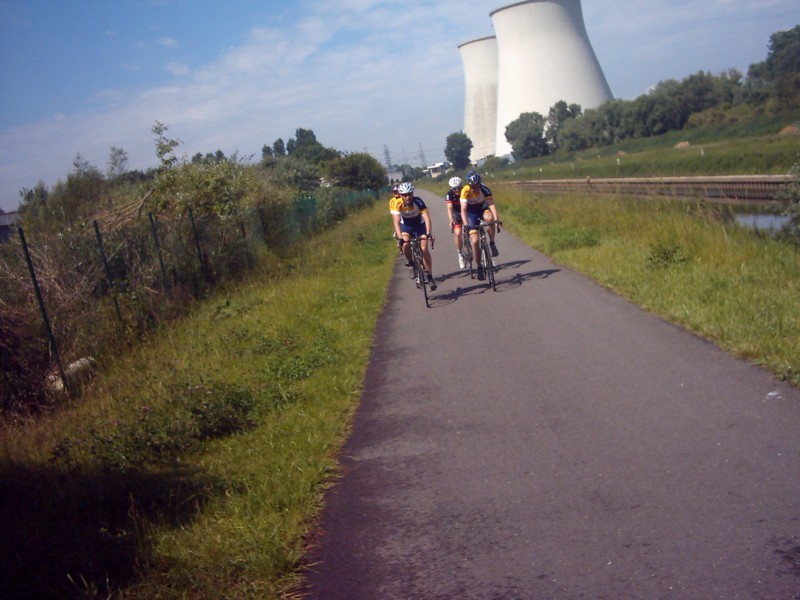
81,292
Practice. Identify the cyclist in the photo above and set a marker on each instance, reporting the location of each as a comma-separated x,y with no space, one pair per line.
476,204
410,215
453,200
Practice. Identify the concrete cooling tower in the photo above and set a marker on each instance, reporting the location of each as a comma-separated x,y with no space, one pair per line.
480,99
544,56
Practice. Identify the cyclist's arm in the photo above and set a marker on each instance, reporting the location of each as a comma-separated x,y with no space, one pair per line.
428,224
396,223
450,212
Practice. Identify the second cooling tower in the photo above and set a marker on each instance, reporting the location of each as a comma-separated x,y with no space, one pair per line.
544,56
480,97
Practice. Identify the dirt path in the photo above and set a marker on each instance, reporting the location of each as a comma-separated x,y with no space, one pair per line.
551,440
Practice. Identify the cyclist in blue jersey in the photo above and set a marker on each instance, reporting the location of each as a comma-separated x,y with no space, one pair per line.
410,215
476,204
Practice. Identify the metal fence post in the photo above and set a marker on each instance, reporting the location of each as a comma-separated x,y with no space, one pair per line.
108,271
197,246
158,249
263,223
50,336
244,241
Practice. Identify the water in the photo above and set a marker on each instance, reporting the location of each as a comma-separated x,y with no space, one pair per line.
761,221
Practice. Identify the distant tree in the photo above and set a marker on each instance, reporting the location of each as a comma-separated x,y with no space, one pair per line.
358,171
559,114
117,162
266,151
457,150
304,136
278,148
33,201
165,147
290,146
315,153
526,136
778,77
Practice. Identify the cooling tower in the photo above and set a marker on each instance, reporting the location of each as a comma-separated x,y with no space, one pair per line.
480,99
544,56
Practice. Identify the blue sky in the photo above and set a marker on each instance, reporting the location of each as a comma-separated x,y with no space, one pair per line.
81,76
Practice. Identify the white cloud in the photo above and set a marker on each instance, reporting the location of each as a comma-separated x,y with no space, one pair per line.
167,42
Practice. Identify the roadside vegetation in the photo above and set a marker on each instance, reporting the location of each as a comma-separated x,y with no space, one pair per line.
196,462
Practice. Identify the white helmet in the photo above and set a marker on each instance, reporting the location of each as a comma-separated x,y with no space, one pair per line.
405,188
454,182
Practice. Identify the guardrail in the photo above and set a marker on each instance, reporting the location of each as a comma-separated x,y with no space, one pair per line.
735,188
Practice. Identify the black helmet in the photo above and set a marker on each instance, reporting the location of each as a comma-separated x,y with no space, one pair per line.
473,178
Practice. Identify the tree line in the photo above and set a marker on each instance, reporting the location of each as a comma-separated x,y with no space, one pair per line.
699,100
208,183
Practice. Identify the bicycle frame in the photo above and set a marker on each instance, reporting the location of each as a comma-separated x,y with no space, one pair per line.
419,268
485,254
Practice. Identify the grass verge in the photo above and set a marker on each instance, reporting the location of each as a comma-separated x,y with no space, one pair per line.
195,464
683,261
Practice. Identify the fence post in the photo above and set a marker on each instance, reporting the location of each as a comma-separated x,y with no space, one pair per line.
158,249
51,338
263,223
108,271
244,241
197,245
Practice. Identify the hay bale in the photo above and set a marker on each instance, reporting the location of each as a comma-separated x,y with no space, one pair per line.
621,153
681,145
790,130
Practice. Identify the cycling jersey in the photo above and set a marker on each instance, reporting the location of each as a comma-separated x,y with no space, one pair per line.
410,216
454,197
476,198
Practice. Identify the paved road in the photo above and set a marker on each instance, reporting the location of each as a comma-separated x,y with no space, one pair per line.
551,440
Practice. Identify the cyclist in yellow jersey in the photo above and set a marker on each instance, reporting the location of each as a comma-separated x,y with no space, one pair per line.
476,204
410,215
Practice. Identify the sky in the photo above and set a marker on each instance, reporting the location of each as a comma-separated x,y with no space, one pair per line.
78,77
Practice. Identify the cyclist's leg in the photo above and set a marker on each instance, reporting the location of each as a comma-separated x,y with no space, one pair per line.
489,218
406,245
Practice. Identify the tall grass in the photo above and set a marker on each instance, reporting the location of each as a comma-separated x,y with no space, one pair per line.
684,261
194,465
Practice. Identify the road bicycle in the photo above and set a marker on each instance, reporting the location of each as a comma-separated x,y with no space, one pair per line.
486,262
418,270
466,251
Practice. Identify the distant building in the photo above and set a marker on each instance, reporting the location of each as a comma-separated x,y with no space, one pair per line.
7,223
395,176
436,169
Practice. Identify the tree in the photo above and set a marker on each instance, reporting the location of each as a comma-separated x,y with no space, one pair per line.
526,136
278,148
165,147
560,113
358,171
117,162
266,151
457,150
778,77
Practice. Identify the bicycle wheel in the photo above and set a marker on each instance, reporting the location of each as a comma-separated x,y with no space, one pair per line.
466,246
486,260
422,278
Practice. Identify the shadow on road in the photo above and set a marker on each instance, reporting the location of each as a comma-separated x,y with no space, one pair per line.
473,286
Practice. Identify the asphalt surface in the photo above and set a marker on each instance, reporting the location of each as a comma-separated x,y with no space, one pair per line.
552,440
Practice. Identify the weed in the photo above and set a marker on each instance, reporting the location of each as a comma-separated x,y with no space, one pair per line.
663,255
